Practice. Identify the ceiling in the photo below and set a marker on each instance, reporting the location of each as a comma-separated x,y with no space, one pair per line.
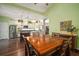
40,7
18,12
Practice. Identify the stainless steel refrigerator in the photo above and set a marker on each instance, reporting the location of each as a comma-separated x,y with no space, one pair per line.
12,31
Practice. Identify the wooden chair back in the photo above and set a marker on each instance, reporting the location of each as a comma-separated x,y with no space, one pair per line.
27,49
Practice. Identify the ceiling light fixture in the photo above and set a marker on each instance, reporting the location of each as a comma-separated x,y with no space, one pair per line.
44,3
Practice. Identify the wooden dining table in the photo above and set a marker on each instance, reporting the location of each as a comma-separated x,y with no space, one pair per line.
45,45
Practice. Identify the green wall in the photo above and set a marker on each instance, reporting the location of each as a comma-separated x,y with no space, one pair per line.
4,19
62,12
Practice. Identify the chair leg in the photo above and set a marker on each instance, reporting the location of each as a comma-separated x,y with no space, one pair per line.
68,51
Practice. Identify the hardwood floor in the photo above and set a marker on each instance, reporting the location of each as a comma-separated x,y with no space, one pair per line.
75,53
13,47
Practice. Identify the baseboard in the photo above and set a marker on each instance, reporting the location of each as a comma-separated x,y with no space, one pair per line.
2,39
77,48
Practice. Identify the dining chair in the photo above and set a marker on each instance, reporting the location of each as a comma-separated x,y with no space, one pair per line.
70,42
66,47
25,35
55,34
27,50
64,51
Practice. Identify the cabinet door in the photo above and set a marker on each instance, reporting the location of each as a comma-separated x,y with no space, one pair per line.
4,30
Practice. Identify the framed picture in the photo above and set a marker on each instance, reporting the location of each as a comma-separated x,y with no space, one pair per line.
64,25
